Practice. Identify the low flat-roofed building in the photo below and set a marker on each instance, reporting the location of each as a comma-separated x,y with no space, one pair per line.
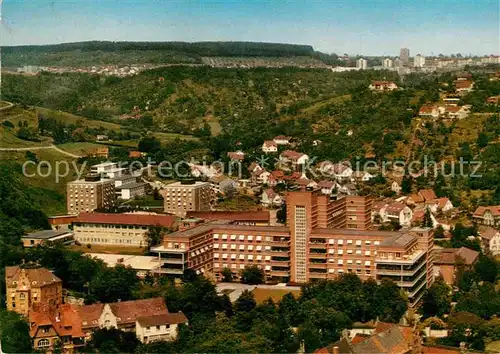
35,238
61,222
142,264
260,217
131,190
118,229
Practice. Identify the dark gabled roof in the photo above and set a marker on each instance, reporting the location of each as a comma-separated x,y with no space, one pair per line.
162,319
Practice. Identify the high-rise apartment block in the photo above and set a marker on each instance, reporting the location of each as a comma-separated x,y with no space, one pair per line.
323,239
387,63
404,56
184,196
362,64
90,193
419,61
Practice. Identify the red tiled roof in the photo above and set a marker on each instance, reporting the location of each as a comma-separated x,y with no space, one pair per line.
359,338
162,319
65,320
270,193
463,84
270,143
426,109
453,109
236,155
261,215
451,255
427,194
395,208
292,155
135,154
382,83
129,311
278,174
494,210
37,276
127,219
326,184
89,314
281,137
433,349
487,232
416,198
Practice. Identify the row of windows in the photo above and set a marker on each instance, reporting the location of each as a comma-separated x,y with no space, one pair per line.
250,257
104,240
242,247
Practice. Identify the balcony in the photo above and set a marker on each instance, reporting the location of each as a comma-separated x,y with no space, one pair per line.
168,271
280,273
399,272
406,259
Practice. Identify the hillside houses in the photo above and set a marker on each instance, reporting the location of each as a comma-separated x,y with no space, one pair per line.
340,171
394,211
490,240
447,111
464,86
487,216
236,155
271,198
383,86
269,146
282,140
293,157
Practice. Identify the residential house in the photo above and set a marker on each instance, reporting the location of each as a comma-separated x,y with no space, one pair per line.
260,176
342,172
160,327
305,182
101,152
457,112
271,198
421,197
199,171
398,212
236,155
493,100
278,176
134,154
490,240
447,260
487,215
464,86
464,76
419,215
52,326
439,204
328,187
386,338
428,111
281,140
451,100
269,146
361,176
102,137
348,189
383,86
254,167
124,315
378,212
296,158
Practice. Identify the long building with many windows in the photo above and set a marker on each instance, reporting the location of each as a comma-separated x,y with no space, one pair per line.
323,239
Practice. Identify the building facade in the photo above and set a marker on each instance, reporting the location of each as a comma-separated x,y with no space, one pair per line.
180,197
28,286
387,63
118,229
90,193
322,239
419,61
404,56
362,64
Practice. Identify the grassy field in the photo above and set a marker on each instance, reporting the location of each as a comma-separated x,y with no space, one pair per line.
467,130
108,249
171,136
80,148
72,119
276,295
3,104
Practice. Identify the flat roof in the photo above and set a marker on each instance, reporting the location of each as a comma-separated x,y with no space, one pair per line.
104,164
135,262
347,232
179,184
224,225
123,177
46,234
400,240
131,185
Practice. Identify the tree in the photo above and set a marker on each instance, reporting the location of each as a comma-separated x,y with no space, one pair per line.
252,275
439,232
227,275
482,140
281,214
113,284
427,221
486,268
389,301
437,299
111,340
245,302
149,144
14,333
154,236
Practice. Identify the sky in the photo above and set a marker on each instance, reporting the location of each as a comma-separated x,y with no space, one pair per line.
364,27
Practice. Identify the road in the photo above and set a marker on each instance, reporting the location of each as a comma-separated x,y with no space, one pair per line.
34,148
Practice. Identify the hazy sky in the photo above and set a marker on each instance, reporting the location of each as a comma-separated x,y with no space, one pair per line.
368,27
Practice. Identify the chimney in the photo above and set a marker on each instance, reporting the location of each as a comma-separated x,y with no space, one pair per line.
336,350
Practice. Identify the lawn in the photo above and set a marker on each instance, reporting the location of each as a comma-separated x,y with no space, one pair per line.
147,201
69,118
171,136
276,295
108,249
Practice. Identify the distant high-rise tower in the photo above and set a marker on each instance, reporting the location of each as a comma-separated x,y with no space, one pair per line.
361,64
419,61
404,55
387,63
